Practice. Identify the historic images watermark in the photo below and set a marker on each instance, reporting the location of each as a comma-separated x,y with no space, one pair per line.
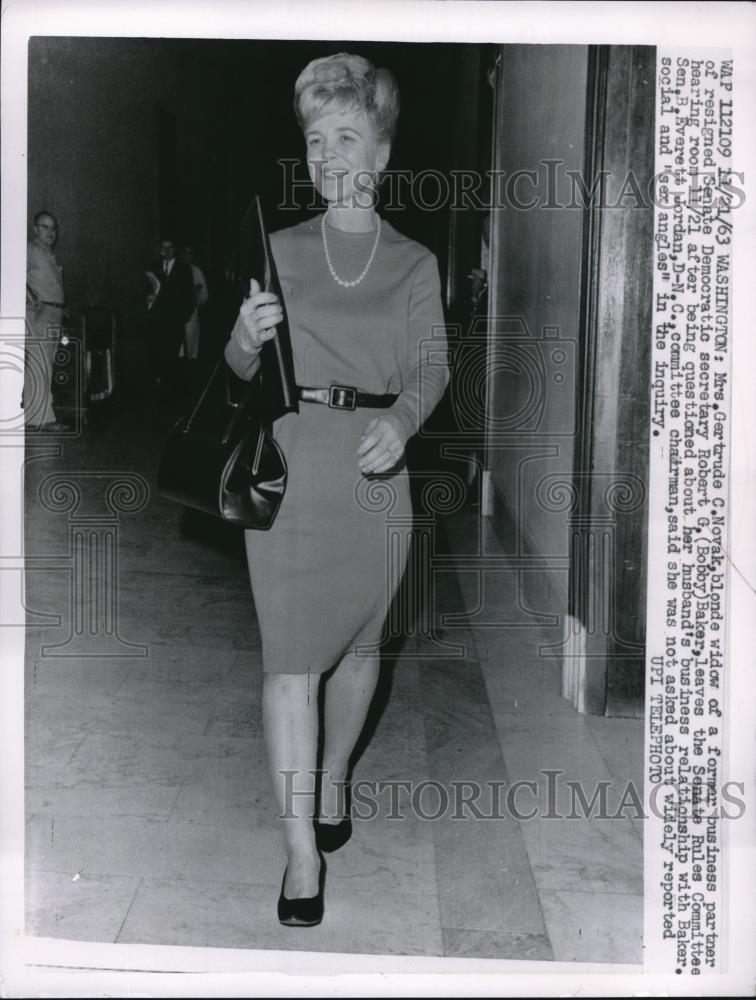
550,796
545,186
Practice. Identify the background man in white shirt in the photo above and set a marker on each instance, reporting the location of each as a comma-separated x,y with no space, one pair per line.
44,315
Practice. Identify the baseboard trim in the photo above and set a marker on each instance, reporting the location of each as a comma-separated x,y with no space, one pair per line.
574,663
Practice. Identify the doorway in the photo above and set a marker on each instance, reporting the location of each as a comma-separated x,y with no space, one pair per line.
568,338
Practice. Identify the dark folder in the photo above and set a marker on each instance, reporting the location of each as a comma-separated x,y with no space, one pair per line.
278,388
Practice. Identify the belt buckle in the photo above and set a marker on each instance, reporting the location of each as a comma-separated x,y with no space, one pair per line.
342,397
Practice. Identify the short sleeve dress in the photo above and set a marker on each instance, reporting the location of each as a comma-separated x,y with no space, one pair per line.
325,573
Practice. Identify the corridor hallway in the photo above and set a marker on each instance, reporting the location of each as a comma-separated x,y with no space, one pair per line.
149,817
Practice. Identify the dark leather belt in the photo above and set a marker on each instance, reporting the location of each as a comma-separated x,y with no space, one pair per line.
343,397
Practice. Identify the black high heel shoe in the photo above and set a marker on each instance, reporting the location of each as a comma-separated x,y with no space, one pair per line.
304,911
330,837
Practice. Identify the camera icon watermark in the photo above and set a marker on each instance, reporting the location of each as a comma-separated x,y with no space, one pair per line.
42,376
507,382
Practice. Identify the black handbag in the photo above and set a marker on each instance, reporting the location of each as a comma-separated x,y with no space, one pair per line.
222,458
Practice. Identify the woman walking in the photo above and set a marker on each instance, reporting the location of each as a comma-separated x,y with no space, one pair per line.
363,302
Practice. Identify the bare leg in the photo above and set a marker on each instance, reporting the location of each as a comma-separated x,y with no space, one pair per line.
290,718
349,691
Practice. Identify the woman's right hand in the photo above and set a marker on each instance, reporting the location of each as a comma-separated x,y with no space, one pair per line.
258,318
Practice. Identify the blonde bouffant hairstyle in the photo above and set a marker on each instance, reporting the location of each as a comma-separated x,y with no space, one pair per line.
347,83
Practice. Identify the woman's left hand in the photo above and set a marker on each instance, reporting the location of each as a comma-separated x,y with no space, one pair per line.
382,445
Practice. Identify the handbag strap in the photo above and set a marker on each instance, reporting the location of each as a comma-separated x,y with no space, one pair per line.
201,398
239,409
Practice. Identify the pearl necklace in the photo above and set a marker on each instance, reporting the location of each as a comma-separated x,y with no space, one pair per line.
336,278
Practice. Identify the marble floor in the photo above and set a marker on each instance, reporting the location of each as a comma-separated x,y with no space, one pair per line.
148,813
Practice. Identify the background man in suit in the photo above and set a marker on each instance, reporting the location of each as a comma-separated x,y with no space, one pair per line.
170,304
